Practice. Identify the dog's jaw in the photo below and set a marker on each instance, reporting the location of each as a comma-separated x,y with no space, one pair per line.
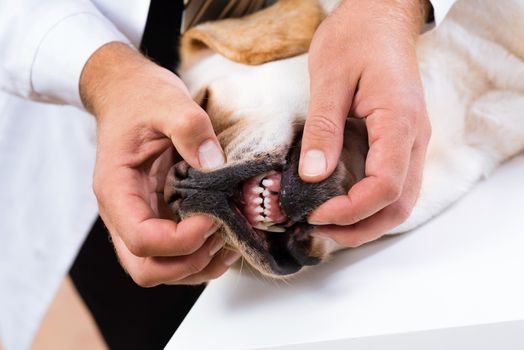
219,194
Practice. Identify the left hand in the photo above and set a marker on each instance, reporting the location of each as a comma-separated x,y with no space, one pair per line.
362,61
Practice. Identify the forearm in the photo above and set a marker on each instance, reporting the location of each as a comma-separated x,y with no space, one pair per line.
113,63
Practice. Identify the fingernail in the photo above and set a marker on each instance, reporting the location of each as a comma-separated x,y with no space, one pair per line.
212,230
318,233
217,245
324,236
210,155
314,163
230,260
316,222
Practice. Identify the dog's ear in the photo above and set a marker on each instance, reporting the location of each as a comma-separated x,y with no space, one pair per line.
282,30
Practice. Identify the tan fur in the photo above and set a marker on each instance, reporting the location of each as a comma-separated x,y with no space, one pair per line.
471,69
282,30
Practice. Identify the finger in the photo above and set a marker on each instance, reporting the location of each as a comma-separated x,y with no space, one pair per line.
324,128
216,268
366,230
189,128
126,210
152,271
387,163
388,218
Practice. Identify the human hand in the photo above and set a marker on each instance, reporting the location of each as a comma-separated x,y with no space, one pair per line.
362,60
142,110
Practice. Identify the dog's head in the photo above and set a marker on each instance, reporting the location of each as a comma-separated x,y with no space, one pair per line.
250,75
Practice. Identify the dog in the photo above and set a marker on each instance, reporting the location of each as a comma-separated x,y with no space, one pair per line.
250,75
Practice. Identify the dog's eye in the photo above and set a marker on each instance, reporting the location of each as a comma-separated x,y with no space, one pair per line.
204,99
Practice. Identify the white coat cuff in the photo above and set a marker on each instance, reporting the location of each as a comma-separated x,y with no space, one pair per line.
440,11
63,52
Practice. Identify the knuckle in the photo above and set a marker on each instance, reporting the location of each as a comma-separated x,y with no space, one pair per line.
190,123
136,246
402,212
195,266
355,241
186,247
321,127
352,218
97,187
359,241
213,275
143,279
391,190
426,131
404,126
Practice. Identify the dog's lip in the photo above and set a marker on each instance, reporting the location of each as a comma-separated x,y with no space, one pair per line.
283,251
217,193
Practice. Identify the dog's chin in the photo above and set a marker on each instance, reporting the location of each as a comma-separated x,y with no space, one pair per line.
262,205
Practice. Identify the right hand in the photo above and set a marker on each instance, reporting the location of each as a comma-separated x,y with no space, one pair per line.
142,111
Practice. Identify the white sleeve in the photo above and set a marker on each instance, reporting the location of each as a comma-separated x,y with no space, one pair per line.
441,9
44,46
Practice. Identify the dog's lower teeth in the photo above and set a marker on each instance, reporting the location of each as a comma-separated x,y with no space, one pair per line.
275,228
259,210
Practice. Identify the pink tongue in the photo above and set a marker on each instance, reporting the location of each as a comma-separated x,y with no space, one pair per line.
261,198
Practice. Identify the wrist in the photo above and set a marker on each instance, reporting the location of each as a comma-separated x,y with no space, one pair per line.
405,17
110,69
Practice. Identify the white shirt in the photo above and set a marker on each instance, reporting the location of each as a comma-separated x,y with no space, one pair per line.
46,150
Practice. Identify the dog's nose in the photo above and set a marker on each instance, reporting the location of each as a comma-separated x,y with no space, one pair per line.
174,194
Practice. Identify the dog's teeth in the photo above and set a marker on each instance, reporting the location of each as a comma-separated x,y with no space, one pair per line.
267,212
258,200
259,210
260,218
267,182
275,229
266,201
265,193
260,226
267,206
258,190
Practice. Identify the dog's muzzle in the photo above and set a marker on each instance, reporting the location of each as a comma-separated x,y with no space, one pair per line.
262,204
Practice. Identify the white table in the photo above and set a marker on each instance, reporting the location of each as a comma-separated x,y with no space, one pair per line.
455,283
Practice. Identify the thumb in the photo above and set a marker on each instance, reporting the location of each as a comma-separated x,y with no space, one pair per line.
324,128
191,132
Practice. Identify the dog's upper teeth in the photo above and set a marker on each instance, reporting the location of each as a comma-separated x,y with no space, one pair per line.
266,202
260,218
261,226
258,200
267,182
265,193
258,190
275,228
259,210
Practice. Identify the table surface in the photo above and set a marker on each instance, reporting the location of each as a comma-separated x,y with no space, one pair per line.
464,267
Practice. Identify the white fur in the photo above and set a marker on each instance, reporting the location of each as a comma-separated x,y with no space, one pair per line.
473,75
